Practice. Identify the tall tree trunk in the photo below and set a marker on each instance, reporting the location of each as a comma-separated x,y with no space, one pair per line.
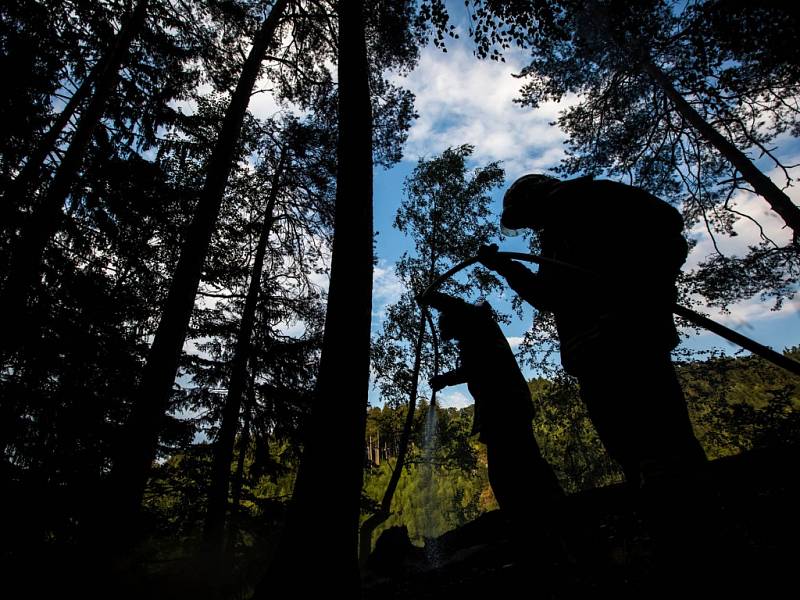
214,529
372,522
45,221
130,470
238,477
32,168
320,539
763,185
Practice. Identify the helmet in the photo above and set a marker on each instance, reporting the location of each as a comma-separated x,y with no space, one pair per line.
517,201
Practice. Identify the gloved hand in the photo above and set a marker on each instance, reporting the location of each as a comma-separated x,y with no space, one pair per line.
437,382
487,256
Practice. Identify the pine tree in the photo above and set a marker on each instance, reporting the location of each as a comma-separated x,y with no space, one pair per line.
132,465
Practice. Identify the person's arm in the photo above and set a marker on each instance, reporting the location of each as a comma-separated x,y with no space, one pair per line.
444,302
443,380
529,285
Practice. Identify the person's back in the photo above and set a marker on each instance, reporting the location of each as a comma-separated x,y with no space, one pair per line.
631,240
493,378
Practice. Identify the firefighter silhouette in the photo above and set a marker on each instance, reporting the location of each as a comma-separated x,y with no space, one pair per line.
616,328
522,481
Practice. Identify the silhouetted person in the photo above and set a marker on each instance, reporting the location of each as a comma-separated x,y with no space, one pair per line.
616,330
522,481
614,320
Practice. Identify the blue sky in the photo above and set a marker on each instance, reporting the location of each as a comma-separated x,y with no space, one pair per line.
462,100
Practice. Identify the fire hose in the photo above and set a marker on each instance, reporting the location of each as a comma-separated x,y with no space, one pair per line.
688,314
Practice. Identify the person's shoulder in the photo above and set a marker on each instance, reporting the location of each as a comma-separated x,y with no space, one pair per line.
626,190
573,186
620,189
639,203
583,200
589,191
599,202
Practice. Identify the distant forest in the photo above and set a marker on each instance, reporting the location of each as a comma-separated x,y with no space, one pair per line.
736,404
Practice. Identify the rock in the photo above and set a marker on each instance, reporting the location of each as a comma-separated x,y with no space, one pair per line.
394,553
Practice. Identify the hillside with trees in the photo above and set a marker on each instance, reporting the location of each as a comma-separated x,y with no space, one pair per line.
754,407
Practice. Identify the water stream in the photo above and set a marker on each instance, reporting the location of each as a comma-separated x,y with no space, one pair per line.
430,504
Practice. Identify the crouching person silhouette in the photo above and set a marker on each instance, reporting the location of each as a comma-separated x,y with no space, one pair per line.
523,483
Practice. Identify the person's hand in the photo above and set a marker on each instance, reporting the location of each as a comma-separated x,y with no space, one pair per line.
487,256
437,382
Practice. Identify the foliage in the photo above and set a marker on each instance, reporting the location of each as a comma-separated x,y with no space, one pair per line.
735,404
175,508
733,63
568,440
445,213
437,492
740,404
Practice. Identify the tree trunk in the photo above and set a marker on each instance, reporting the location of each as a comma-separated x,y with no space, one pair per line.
214,529
238,477
31,170
372,522
130,471
320,539
763,185
45,221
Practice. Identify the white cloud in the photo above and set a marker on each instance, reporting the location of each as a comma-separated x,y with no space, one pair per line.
295,329
464,100
514,341
743,316
189,106
747,232
386,289
454,399
386,286
262,102
192,347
